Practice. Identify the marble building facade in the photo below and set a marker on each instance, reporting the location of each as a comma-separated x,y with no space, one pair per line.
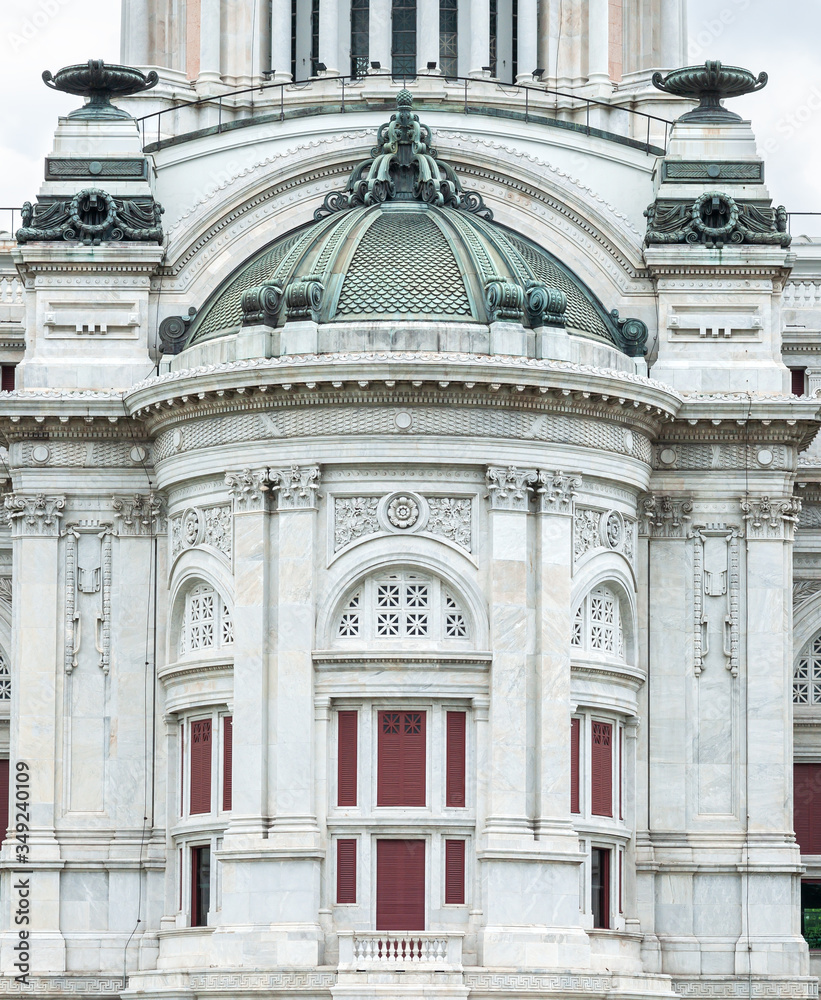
410,579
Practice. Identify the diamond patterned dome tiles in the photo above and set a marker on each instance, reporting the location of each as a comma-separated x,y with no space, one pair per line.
403,266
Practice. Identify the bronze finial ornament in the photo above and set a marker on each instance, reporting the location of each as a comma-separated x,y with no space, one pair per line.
100,82
710,84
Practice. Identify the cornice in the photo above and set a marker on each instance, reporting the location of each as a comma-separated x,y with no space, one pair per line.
393,377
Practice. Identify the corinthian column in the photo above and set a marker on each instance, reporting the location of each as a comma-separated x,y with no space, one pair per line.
281,41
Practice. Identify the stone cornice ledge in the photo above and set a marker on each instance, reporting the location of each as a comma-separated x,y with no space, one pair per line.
379,366
801,413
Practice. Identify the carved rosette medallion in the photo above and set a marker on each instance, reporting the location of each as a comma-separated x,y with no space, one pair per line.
402,511
601,530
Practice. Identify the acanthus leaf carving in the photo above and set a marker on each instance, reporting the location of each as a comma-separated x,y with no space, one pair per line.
803,591
36,514
665,516
509,488
554,491
296,487
771,517
450,518
248,489
354,517
140,514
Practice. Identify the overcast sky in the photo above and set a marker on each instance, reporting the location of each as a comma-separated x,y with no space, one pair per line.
779,36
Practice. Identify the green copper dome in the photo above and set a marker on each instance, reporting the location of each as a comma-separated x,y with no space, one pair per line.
404,242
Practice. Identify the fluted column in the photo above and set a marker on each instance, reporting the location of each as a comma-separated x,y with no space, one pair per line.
329,35
134,37
479,36
210,36
427,33
527,54
598,35
379,34
281,41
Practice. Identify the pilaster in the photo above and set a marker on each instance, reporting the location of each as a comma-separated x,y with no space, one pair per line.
35,523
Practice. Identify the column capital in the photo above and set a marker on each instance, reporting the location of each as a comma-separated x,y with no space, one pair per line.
664,516
771,517
296,487
508,487
139,514
248,489
554,492
34,513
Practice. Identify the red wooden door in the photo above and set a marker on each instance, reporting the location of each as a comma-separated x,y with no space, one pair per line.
400,885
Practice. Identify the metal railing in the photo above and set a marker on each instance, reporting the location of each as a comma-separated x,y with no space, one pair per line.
7,219
803,215
535,107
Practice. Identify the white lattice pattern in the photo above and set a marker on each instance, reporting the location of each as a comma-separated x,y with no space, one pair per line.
207,623
5,679
402,606
597,624
806,684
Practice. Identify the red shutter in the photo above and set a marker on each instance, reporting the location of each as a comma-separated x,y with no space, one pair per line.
621,774
601,769
182,770
4,798
227,763
7,378
201,766
574,765
797,379
400,885
455,764
806,806
400,777
346,758
346,871
454,871
621,881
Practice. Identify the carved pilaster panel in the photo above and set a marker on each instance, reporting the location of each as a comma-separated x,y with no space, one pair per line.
34,514
509,488
140,514
771,517
90,576
665,516
716,592
248,489
296,487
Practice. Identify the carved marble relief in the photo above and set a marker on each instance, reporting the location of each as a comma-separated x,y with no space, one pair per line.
771,517
88,573
211,526
716,594
602,529
447,517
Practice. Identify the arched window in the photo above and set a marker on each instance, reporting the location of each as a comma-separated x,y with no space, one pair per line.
806,683
360,26
597,625
402,606
404,39
448,37
5,679
207,622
